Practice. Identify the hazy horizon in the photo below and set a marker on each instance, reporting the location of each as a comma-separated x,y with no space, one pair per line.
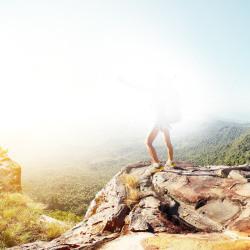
60,61
65,143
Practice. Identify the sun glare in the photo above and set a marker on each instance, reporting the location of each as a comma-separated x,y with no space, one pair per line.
54,84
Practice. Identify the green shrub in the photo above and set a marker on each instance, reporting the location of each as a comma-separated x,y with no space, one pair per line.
21,223
3,153
64,216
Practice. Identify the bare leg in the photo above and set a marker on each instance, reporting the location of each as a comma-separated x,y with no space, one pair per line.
149,144
166,137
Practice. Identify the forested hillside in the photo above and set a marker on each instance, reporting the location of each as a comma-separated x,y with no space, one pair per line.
220,143
70,187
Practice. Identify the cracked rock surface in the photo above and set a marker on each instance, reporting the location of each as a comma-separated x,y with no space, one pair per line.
188,199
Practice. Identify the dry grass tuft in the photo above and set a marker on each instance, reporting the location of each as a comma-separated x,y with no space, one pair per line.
131,182
98,200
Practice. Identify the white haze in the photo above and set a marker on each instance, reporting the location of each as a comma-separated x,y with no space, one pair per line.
60,61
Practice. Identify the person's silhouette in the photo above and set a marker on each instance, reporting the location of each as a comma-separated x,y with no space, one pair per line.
159,93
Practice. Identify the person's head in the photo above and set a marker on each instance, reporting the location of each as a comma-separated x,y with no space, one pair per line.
162,82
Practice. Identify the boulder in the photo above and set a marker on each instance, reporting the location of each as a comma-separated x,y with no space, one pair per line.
186,206
10,175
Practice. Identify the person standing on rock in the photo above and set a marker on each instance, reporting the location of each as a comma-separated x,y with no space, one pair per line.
164,114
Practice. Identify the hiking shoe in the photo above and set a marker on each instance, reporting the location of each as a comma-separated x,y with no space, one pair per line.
169,164
155,168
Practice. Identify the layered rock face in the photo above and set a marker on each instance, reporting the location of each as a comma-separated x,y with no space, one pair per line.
202,207
10,175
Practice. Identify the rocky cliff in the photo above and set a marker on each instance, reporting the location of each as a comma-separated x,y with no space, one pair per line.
189,207
10,175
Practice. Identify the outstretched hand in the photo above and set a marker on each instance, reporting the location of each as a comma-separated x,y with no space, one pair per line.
132,85
120,79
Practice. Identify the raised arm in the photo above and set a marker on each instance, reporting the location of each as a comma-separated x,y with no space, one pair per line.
133,85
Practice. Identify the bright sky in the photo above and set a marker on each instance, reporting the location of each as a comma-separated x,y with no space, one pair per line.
59,60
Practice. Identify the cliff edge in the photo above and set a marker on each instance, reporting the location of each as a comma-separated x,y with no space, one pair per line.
190,206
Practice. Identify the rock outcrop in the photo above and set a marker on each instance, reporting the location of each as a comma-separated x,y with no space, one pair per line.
203,207
10,175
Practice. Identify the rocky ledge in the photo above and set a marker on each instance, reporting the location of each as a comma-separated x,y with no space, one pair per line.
199,207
